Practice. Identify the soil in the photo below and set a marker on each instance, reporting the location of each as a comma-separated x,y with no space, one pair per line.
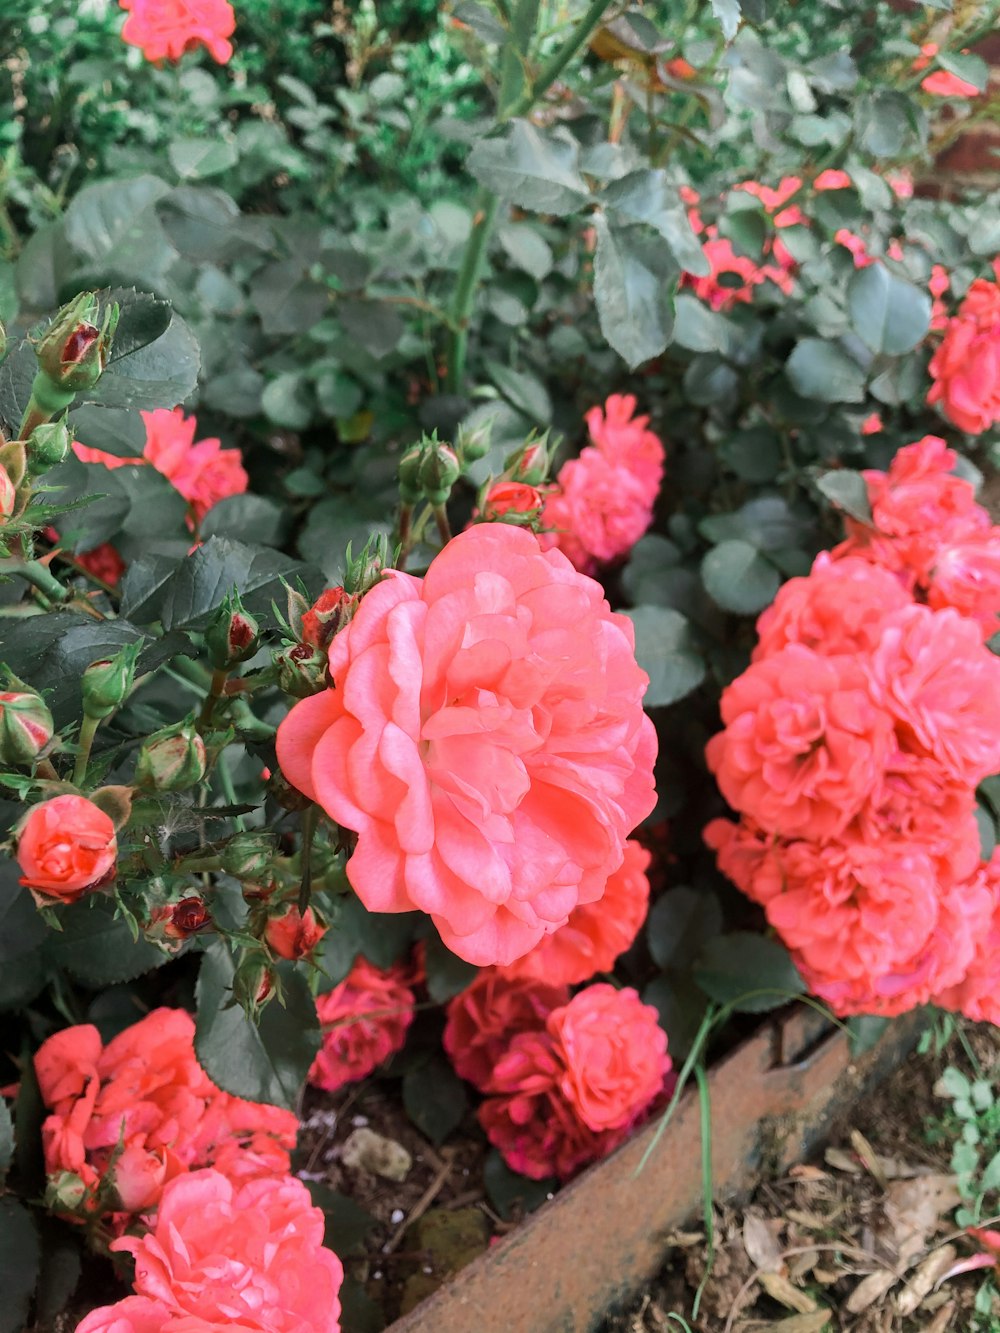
856,1240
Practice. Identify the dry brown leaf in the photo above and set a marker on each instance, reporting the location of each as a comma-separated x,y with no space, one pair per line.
912,1209
683,1240
941,1322
813,1322
842,1161
811,1221
806,1172
761,1243
801,1264
869,1290
781,1290
895,1169
924,1278
868,1155
827,1276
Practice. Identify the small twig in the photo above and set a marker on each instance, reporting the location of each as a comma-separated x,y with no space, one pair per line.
422,1204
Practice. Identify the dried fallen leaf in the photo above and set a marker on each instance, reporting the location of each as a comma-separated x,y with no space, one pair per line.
781,1290
912,1209
827,1276
941,1322
925,1278
869,1290
801,1264
814,1322
811,1221
842,1161
761,1243
806,1172
869,1156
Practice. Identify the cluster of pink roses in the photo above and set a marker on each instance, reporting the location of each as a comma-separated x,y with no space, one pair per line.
364,1019
202,471
484,736
137,1132
854,743
165,29
966,365
565,1080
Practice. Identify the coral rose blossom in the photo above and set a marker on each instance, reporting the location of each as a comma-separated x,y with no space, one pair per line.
966,366
293,935
966,577
66,846
597,511
486,1016
202,471
485,738
364,1020
595,933
165,29
146,1090
804,744
221,1257
627,440
977,995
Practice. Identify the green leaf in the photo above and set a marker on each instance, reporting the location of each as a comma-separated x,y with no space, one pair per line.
728,12
21,928
888,314
237,515
160,374
6,1140
447,974
987,826
634,281
527,249
60,1270
738,578
19,1261
114,430
288,400
194,159
865,1030
665,650
98,948
681,922
347,1224
990,1179
522,390
435,1098
113,228
377,326
381,937
888,123
848,491
649,196
700,329
746,228
730,967
185,595
753,454
534,168
822,370
266,1063
972,68
511,1194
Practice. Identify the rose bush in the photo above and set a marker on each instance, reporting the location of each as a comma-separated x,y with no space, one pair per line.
671,319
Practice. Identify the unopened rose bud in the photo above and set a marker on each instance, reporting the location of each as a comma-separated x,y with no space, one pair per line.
178,921
410,490
73,351
47,447
65,1192
513,502
8,494
530,464
471,445
26,726
292,935
301,670
172,760
107,683
232,636
364,572
327,616
253,984
248,856
439,470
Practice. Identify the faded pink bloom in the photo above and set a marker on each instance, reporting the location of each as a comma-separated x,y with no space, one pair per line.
450,741
486,1016
597,510
872,425
626,440
203,472
966,366
364,1020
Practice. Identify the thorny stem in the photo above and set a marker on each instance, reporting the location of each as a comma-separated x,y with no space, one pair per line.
215,692
39,576
85,741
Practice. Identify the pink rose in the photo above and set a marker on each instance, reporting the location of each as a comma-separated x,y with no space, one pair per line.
966,576
831,179
839,607
615,1054
291,935
966,366
512,497
941,685
856,245
65,847
804,745
977,994
221,1256
597,511
451,742
203,472
364,1020
596,933
486,1016
626,439
725,262
165,29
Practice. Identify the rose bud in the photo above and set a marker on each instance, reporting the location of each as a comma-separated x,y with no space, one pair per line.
65,1192
26,726
513,501
328,614
8,494
248,856
47,447
292,935
530,464
367,570
439,470
232,636
172,760
65,847
471,445
301,670
73,351
253,984
107,683
410,489
178,921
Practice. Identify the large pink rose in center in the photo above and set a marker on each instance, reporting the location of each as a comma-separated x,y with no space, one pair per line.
485,738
